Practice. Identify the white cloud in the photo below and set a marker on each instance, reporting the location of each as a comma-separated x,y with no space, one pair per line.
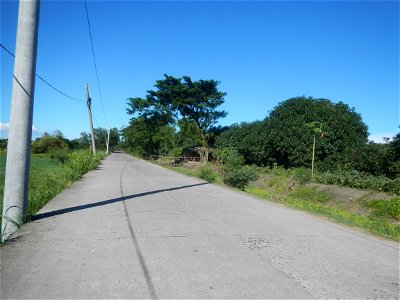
378,138
4,127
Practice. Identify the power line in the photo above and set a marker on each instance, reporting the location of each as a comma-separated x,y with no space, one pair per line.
45,81
94,60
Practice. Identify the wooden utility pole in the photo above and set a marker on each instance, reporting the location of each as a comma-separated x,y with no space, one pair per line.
16,184
89,103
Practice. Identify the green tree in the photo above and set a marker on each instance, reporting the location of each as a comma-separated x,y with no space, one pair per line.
50,142
100,137
181,101
249,139
149,135
288,136
284,137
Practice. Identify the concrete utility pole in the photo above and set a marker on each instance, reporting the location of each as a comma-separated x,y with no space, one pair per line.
15,200
89,103
108,137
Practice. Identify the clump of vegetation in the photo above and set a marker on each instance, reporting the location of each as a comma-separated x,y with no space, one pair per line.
233,172
240,178
359,180
48,177
50,142
382,208
377,226
207,173
80,162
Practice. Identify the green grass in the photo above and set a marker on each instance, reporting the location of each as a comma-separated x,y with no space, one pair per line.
383,208
48,177
322,204
372,225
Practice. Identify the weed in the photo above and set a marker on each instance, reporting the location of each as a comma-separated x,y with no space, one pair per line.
310,194
379,227
384,208
258,192
208,174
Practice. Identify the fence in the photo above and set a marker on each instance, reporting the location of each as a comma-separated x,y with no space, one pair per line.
173,160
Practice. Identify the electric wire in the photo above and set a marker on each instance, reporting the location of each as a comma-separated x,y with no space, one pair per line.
94,60
45,81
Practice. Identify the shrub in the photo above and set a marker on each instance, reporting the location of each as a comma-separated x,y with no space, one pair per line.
302,175
359,180
208,174
240,177
231,158
49,143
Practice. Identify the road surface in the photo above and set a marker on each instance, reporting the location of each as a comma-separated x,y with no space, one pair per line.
131,229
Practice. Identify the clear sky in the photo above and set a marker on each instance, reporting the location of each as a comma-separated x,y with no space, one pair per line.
262,52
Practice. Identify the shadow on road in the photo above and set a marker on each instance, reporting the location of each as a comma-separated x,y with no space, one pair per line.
109,201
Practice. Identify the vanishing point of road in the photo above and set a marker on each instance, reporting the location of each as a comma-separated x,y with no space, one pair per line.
131,229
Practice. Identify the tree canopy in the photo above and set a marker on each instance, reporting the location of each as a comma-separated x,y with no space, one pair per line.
191,106
285,136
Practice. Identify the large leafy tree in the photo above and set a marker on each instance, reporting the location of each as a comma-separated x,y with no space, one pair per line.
286,136
191,105
289,137
248,139
149,135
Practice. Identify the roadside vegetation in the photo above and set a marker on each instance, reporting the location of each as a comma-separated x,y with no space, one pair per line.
55,165
360,209
298,155
307,153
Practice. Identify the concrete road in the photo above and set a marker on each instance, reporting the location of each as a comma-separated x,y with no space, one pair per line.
134,230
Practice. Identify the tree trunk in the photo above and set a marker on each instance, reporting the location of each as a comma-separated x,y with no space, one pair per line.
204,151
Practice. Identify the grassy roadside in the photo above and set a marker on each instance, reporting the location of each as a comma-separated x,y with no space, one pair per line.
380,217
48,176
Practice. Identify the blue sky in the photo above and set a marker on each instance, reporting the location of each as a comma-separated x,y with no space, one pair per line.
262,52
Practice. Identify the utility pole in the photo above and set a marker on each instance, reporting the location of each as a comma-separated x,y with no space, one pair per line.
108,137
89,103
16,185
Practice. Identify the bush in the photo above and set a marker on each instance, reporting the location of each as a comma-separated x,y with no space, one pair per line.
302,175
240,177
359,180
231,158
49,143
208,174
